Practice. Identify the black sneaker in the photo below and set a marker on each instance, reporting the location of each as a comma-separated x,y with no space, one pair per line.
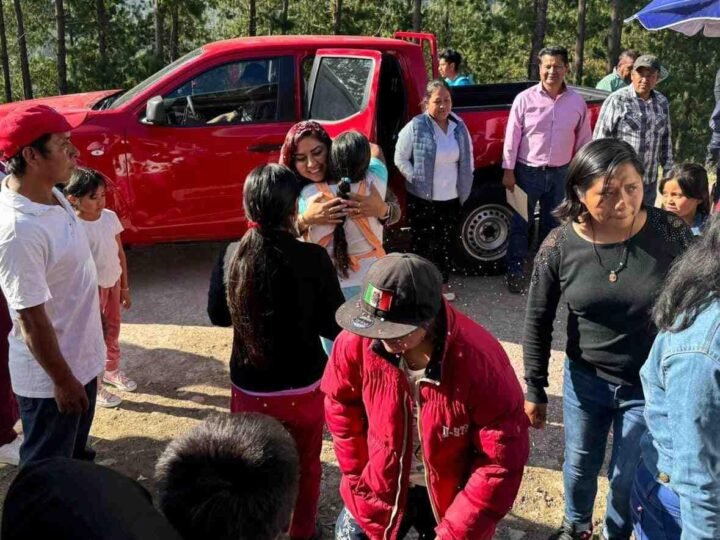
515,283
567,531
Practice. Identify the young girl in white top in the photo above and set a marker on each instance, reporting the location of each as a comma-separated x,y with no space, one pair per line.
357,242
86,192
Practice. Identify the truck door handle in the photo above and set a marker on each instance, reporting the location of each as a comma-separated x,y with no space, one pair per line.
265,148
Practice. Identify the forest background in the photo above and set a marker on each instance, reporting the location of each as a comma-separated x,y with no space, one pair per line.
50,47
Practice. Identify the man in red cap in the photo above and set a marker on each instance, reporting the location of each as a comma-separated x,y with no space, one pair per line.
48,277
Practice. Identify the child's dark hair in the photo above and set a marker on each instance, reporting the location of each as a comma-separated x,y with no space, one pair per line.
270,199
232,476
693,181
349,162
84,182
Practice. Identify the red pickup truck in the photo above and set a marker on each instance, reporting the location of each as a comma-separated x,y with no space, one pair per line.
177,147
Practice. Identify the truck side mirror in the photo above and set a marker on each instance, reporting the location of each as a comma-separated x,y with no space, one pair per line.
155,111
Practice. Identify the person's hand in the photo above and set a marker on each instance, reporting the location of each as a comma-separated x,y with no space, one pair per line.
321,211
508,179
71,397
371,205
125,300
537,413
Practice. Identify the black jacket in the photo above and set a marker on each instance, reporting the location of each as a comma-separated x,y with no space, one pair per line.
306,295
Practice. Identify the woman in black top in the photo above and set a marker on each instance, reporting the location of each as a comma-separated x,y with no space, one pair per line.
282,295
608,260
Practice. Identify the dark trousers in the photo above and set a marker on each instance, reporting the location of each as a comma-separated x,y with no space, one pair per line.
544,186
434,230
655,508
50,433
8,405
650,193
418,515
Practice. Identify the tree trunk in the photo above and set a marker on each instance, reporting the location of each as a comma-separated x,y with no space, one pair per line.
615,34
174,30
61,50
102,30
22,44
159,46
417,15
4,57
252,19
580,43
538,39
284,16
337,16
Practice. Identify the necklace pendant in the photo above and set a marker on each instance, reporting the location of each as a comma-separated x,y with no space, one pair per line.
613,276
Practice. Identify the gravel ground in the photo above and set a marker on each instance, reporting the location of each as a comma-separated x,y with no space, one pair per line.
181,365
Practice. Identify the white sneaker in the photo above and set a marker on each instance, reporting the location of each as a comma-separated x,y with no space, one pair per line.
10,452
119,380
105,398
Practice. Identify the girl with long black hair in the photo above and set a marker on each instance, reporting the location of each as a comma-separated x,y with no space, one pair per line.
677,486
282,295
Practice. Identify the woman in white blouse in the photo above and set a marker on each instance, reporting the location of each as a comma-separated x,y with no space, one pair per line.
434,154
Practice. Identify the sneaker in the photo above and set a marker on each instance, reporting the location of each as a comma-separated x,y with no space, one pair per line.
10,452
119,380
105,398
568,531
515,283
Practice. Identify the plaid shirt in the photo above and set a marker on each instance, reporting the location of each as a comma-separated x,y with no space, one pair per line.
645,125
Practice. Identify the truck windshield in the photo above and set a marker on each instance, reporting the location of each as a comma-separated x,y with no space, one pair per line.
127,96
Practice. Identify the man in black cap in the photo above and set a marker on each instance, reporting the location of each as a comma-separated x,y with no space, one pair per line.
425,411
640,115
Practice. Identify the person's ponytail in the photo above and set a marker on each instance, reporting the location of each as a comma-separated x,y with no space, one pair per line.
270,196
349,159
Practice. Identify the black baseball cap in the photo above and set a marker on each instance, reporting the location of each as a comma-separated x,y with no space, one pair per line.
400,292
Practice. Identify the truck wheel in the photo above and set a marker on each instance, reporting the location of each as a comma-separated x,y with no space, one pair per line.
483,241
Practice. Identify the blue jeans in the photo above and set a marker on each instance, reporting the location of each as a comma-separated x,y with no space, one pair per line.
50,433
590,407
348,293
546,187
655,508
418,515
650,194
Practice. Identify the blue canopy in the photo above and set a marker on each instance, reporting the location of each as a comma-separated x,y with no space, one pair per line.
686,16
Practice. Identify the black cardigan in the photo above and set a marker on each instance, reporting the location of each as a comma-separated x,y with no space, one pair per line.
307,294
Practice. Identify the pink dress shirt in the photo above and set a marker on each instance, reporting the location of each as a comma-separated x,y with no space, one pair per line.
543,131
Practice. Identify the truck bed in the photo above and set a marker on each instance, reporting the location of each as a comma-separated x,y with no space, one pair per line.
501,95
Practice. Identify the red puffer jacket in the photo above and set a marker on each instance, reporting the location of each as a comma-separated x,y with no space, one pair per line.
474,431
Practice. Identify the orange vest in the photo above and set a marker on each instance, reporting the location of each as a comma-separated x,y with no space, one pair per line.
362,223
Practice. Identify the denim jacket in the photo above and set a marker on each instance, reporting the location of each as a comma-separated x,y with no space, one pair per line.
681,381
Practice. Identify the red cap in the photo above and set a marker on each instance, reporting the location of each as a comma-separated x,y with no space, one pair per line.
24,125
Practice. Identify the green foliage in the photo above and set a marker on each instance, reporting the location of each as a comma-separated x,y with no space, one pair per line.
493,35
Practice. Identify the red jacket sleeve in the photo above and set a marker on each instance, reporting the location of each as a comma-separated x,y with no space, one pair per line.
344,411
500,436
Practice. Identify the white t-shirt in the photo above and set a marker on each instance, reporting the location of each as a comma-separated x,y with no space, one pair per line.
45,259
357,243
417,464
447,156
101,234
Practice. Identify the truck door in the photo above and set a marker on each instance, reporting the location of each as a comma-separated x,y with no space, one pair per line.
221,121
343,90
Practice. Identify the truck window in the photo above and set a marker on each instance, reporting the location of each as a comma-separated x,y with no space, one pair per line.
341,87
257,90
127,96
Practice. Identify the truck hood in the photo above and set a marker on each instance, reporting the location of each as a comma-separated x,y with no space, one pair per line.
70,102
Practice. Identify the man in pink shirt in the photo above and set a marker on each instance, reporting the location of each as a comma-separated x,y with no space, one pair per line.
548,124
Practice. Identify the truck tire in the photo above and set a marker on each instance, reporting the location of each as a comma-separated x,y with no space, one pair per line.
484,231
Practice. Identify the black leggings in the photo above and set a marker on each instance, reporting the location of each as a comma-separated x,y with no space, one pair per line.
434,230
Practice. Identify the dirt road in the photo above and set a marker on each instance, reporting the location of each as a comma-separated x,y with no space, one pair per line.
181,365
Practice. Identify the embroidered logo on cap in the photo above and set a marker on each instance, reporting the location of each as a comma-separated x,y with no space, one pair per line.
377,298
362,322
